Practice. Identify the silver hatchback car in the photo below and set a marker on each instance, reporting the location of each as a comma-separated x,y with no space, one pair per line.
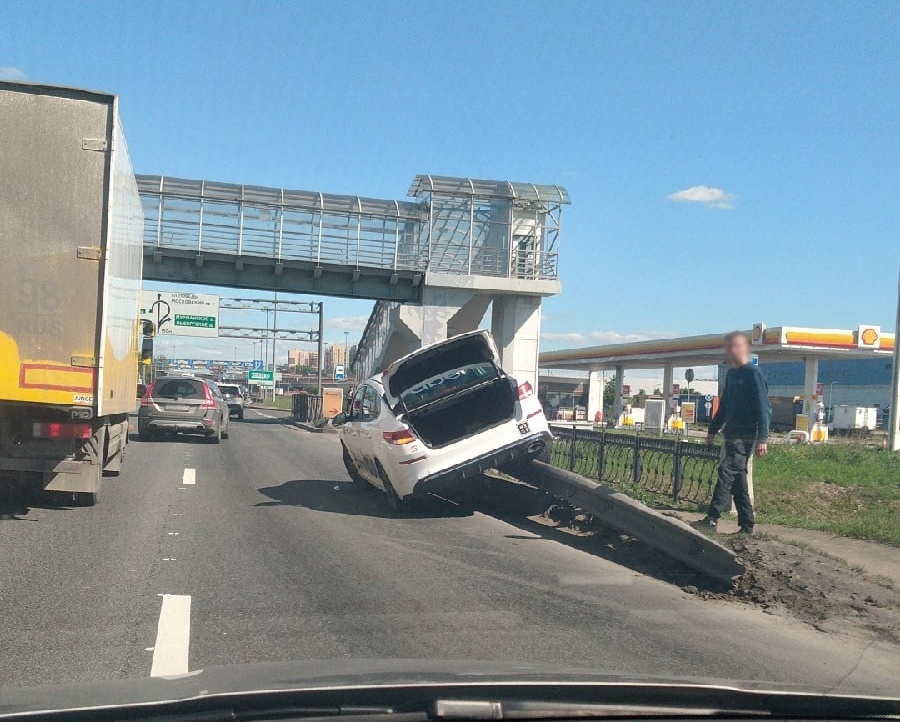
183,404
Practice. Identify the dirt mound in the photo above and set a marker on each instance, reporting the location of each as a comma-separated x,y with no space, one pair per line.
783,577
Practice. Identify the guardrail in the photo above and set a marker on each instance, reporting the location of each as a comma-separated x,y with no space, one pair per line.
673,468
665,534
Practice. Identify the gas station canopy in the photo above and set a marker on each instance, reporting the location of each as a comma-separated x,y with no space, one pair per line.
772,345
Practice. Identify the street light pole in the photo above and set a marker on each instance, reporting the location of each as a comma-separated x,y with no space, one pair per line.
321,347
346,352
274,334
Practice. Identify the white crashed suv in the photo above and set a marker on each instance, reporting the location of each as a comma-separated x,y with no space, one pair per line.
444,413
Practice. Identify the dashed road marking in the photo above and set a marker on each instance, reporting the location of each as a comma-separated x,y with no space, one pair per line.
189,477
267,416
173,636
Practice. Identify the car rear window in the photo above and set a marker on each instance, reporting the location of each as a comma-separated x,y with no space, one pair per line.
449,382
179,389
233,390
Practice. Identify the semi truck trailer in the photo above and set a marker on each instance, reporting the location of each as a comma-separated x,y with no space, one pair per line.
71,228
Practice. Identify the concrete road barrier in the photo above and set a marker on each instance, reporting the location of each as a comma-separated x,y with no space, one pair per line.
670,536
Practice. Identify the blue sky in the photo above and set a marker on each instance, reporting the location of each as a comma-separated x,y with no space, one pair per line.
728,162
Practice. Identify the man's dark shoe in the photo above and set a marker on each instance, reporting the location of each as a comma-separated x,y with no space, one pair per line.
746,530
706,525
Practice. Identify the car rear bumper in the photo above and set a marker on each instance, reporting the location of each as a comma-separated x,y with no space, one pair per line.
183,426
527,447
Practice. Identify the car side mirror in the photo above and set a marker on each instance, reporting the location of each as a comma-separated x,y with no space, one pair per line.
339,419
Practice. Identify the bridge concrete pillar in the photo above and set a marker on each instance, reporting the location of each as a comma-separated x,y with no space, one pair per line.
516,327
668,381
444,312
594,394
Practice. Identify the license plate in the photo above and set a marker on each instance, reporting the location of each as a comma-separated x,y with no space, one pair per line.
177,407
524,428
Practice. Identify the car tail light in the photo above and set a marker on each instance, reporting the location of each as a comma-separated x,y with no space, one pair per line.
59,430
147,398
525,390
404,436
209,402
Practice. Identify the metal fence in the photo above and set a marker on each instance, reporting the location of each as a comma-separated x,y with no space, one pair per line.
672,468
306,408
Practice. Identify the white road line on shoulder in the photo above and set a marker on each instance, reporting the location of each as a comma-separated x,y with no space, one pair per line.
267,416
190,476
173,636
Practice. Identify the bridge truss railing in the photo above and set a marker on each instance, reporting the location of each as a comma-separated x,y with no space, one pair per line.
456,226
236,220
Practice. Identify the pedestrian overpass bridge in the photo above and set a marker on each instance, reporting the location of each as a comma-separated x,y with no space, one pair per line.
433,263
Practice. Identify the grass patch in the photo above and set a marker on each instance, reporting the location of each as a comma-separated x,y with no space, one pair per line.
846,490
283,401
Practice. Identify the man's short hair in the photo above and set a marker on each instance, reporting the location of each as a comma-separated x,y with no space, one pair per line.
732,335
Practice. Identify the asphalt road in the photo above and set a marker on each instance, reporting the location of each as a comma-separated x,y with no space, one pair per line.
272,554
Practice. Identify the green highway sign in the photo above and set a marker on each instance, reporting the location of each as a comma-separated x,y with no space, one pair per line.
261,376
181,314
195,321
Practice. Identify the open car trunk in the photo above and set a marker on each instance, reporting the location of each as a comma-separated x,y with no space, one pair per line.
452,389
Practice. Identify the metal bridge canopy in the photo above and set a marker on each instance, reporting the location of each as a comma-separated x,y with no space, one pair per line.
491,228
206,216
200,231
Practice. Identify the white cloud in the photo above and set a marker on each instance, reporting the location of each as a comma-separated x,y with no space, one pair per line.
600,338
603,337
708,196
577,338
8,72
346,323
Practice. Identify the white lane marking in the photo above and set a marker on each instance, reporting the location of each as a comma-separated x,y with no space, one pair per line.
267,416
173,636
189,477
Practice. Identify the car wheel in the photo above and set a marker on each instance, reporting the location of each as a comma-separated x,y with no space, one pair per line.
226,431
240,415
352,471
397,504
216,437
145,434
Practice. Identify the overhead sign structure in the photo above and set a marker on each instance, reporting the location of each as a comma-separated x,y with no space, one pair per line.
212,364
181,314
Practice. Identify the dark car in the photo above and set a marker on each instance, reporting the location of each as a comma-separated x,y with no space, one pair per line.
185,405
234,397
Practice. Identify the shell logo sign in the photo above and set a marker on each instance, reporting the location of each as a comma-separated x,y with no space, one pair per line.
759,330
869,337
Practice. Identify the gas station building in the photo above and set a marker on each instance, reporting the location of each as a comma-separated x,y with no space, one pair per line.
772,345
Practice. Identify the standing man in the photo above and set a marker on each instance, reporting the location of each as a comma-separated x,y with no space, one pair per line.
745,412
